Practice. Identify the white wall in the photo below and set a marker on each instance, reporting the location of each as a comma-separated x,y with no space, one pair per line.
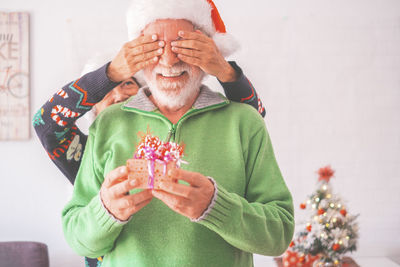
327,71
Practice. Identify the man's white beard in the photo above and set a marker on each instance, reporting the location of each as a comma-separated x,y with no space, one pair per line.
174,95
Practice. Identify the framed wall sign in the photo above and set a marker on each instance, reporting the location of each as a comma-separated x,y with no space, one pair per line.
14,76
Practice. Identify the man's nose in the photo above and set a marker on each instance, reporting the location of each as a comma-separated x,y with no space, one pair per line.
168,58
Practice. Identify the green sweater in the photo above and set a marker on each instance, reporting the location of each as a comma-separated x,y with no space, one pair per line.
252,211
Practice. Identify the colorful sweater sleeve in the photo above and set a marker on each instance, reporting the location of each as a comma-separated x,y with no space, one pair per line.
262,222
54,122
242,90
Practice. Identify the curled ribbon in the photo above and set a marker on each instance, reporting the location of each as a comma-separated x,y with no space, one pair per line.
153,149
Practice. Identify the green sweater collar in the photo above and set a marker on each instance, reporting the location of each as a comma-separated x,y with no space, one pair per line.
206,98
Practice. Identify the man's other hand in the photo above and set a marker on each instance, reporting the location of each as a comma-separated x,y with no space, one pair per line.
198,49
134,56
114,194
190,201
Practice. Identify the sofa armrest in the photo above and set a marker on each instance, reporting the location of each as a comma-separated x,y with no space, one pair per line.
23,253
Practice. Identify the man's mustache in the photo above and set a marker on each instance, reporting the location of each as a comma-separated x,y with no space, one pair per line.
176,69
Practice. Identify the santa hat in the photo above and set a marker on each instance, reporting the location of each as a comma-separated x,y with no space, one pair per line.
202,13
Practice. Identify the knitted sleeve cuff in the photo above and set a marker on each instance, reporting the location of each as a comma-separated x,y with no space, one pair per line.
236,90
212,203
239,75
98,83
221,211
108,216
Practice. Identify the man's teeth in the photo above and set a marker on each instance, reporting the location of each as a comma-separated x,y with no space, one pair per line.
172,74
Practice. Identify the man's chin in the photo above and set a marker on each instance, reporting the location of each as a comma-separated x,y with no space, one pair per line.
171,101
173,96
170,88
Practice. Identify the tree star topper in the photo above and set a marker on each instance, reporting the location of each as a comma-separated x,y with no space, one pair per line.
325,173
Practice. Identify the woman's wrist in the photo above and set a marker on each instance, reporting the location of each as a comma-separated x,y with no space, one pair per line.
229,75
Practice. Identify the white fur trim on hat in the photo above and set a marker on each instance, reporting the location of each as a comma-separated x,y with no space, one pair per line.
96,61
226,43
143,12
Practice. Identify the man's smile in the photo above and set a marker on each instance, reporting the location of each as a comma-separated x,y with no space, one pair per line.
172,76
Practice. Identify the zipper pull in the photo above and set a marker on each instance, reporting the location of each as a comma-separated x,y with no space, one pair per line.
170,133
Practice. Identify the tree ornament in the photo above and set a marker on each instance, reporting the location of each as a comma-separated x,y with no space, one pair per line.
343,212
335,247
302,259
325,174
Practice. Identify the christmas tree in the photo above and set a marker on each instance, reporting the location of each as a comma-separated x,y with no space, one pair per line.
330,231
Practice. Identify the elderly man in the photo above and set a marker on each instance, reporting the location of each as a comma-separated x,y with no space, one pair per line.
234,202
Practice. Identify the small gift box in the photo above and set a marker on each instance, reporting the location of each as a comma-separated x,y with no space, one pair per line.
149,173
153,160
293,259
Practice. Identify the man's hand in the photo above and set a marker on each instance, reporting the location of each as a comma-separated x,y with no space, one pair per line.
120,93
115,197
134,56
198,49
190,201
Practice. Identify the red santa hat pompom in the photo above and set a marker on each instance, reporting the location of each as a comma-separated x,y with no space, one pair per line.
202,13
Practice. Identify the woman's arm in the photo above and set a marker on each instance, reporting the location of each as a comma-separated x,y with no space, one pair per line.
54,122
242,90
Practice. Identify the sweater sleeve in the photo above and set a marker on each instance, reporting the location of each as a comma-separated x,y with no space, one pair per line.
242,90
54,122
88,227
262,221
